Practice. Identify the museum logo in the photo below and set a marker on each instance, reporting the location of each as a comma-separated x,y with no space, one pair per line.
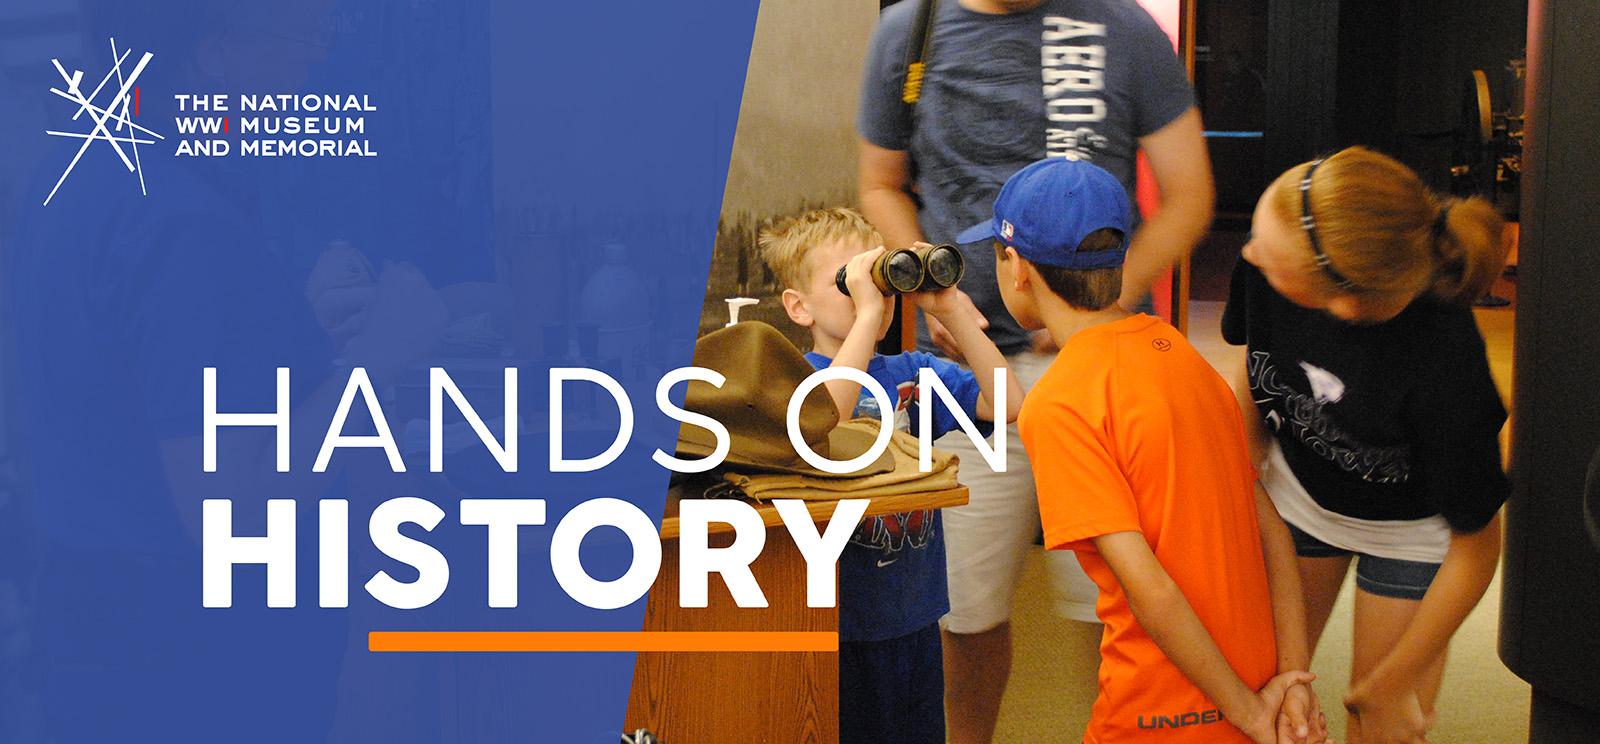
208,124
112,123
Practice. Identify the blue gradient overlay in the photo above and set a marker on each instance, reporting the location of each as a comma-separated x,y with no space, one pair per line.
545,193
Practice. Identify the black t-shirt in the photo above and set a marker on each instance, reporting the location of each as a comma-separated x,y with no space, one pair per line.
1397,420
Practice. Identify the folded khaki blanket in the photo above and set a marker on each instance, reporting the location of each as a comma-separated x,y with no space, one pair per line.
904,478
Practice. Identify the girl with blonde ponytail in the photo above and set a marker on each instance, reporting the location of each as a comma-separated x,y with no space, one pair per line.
1376,422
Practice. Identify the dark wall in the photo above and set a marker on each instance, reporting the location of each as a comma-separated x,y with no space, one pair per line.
1551,582
1302,65
1388,74
1403,67
1230,82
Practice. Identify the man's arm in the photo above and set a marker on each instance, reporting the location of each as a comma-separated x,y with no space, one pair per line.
884,180
1166,615
1182,168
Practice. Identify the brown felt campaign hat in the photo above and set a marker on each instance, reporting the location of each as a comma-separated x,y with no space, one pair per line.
762,370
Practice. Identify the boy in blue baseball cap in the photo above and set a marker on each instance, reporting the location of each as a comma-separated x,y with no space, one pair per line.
1141,468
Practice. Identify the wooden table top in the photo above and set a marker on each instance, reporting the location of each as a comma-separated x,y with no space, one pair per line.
822,509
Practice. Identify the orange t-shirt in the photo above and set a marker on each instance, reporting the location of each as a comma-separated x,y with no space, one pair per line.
1131,430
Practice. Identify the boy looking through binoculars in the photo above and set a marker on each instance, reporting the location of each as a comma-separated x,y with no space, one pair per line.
892,588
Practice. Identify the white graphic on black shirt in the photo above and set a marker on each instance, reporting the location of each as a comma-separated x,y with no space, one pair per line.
1303,419
1072,63
1325,387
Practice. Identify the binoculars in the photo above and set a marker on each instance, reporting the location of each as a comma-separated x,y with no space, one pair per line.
911,269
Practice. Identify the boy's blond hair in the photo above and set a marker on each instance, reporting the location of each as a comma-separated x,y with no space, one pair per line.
786,243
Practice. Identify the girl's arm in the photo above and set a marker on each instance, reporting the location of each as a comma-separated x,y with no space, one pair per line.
1468,567
1453,417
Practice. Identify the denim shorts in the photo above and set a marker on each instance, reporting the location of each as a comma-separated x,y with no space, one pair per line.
1384,577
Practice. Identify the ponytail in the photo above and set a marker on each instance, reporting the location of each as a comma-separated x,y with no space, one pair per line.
1469,249
1385,232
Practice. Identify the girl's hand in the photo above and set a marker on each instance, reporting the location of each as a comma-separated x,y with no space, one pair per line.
1388,719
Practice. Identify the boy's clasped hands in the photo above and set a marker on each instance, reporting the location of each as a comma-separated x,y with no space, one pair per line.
1288,713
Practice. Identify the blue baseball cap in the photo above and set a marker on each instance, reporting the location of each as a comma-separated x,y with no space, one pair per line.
1046,209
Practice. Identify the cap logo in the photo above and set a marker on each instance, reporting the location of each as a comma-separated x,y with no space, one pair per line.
1007,231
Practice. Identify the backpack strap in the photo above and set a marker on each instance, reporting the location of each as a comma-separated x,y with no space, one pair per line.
917,52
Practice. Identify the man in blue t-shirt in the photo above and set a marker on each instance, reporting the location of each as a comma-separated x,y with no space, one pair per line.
1007,83
892,575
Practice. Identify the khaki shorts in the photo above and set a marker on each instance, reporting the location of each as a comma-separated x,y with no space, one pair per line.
986,540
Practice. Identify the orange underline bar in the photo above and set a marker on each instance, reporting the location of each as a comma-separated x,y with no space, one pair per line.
447,641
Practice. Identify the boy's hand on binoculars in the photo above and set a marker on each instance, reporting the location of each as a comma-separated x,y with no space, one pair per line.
946,304
858,278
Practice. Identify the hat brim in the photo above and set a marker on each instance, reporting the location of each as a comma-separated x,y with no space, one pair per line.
982,231
844,443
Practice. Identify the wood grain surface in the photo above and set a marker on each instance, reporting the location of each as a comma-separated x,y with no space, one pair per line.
781,698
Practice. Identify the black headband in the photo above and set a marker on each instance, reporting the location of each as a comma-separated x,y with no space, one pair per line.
1310,226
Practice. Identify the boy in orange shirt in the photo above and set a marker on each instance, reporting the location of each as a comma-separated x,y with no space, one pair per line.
1142,469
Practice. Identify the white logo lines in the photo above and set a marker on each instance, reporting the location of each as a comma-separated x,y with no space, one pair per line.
116,111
